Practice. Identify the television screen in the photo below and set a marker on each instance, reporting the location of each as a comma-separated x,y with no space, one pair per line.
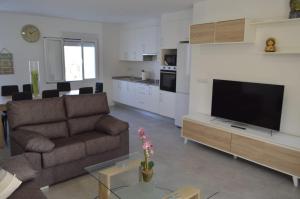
252,103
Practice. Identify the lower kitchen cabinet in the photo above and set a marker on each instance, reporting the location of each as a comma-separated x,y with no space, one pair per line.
167,104
137,95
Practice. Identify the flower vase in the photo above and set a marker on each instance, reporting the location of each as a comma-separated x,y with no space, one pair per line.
147,175
34,77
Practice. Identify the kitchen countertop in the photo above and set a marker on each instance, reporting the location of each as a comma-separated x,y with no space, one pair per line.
137,80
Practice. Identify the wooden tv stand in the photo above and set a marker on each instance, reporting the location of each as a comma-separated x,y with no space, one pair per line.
280,151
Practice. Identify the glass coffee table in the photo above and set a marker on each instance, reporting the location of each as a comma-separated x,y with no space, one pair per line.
120,178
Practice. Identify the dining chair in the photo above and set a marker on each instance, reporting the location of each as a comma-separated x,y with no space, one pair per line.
86,90
50,93
27,88
63,86
9,90
22,96
99,87
6,91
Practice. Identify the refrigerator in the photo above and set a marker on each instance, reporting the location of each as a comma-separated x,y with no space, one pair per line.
182,82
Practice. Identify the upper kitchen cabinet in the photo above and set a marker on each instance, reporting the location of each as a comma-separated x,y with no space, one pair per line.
138,43
231,31
203,33
175,28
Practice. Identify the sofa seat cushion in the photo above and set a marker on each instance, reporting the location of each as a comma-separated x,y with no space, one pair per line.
96,142
66,150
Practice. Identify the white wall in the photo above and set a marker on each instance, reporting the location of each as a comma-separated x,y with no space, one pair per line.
246,62
10,38
111,64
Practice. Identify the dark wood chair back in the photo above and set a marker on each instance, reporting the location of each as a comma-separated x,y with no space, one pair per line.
9,90
50,93
22,96
63,86
99,87
27,88
86,90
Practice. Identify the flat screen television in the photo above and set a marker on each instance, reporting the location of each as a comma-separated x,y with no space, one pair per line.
252,103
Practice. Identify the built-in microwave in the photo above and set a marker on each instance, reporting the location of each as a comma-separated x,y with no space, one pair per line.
168,80
170,60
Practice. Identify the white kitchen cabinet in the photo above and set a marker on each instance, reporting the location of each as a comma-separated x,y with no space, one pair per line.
152,99
135,42
137,95
149,40
116,90
184,29
167,104
169,35
175,27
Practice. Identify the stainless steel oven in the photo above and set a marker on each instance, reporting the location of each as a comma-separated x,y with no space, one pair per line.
168,80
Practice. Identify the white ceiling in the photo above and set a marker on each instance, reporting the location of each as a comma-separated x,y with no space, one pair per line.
97,10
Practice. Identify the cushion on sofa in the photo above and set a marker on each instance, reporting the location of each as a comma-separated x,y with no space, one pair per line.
8,183
111,125
96,142
21,167
32,141
28,112
86,105
83,124
66,150
50,130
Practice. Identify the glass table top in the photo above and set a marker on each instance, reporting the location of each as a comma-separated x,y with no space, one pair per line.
120,178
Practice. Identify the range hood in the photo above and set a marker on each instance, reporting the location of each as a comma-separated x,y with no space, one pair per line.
149,57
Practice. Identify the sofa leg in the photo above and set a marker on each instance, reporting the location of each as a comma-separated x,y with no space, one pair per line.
45,188
295,180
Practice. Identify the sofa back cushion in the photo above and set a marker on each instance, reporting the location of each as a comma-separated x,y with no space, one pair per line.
86,105
33,112
49,130
83,124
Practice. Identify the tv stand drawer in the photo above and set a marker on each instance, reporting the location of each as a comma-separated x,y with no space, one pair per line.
206,135
276,157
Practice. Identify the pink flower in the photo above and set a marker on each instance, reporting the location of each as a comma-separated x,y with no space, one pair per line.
141,132
147,145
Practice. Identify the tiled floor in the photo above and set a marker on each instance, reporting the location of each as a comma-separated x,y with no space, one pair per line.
210,170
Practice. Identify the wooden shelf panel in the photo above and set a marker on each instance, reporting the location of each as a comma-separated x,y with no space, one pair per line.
274,21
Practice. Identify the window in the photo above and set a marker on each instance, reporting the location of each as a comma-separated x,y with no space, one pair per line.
80,60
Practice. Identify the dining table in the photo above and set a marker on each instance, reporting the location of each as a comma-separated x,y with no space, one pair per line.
5,99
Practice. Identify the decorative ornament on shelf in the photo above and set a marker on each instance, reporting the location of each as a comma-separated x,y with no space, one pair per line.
34,76
270,45
295,9
146,165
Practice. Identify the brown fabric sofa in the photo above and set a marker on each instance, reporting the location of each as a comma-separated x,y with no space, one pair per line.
61,136
21,167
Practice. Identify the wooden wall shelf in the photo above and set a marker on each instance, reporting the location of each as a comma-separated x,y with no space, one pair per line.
274,21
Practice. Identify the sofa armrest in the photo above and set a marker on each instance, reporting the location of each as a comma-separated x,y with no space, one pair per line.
111,125
32,141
